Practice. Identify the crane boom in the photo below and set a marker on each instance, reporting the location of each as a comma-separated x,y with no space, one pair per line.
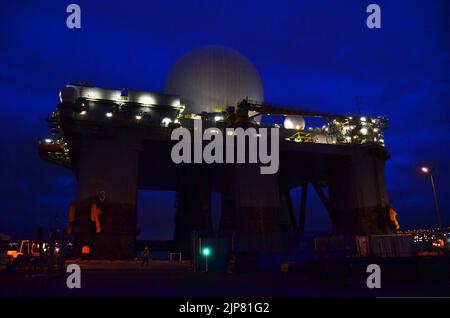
261,109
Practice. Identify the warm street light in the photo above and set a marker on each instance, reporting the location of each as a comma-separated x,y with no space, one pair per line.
427,170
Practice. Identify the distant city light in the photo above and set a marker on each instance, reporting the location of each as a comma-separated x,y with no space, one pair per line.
109,114
363,119
83,112
363,131
48,141
138,117
218,118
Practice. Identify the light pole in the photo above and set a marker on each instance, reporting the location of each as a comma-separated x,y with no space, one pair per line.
427,170
206,251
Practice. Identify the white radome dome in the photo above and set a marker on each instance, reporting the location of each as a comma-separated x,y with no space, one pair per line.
297,123
211,78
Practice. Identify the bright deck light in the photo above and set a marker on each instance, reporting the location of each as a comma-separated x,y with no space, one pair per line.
166,121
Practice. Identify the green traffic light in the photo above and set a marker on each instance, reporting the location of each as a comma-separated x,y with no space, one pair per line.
206,251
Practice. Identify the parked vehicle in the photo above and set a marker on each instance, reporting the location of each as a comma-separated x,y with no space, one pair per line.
27,250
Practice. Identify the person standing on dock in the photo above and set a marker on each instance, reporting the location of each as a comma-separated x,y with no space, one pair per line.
146,257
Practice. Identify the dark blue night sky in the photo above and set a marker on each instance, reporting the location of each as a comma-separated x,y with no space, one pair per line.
312,54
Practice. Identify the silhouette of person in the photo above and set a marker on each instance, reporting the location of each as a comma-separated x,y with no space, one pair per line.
146,256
